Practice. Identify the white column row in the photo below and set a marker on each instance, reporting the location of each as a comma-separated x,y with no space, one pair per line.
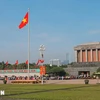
96,55
80,55
91,55
76,59
75,56
86,55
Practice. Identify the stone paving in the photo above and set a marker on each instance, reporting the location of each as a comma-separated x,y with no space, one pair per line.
71,81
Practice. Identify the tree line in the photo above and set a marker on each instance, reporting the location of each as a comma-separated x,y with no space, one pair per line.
54,69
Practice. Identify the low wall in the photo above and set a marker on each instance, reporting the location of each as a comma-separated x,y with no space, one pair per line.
74,70
17,72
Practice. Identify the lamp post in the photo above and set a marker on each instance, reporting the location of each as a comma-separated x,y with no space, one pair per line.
42,49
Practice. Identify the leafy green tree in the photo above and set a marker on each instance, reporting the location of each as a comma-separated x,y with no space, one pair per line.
98,70
63,66
33,65
3,65
57,71
9,66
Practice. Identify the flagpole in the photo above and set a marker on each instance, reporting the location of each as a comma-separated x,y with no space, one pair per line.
28,43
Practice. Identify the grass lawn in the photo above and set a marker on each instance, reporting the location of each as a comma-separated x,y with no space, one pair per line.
50,92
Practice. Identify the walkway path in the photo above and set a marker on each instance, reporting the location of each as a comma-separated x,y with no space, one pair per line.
72,81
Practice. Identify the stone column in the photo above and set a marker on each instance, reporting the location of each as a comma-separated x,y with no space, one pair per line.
91,55
75,56
86,55
96,54
80,55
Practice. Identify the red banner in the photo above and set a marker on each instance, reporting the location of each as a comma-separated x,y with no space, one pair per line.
42,70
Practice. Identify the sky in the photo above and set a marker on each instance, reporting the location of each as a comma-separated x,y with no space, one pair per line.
57,24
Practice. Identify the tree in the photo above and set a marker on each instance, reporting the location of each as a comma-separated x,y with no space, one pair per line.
98,70
63,66
57,71
3,65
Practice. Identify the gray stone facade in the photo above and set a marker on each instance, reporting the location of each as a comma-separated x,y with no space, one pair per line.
75,68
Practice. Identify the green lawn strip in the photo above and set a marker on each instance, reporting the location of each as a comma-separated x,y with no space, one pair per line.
53,92
58,95
29,88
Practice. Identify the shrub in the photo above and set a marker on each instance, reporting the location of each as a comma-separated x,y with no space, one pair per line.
86,81
5,81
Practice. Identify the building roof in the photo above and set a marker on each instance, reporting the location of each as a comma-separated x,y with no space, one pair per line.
91,45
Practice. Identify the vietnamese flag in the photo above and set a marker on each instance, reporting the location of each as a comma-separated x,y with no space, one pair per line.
6,63
24,21
16,62
26,62
39,61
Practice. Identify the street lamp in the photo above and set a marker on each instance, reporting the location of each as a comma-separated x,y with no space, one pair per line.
42,49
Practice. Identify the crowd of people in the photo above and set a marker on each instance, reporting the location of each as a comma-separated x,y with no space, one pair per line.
23,77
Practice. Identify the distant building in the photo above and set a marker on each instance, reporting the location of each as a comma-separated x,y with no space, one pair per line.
65,62
67,58
55,62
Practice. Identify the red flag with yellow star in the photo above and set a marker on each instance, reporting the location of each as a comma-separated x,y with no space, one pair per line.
16,62
6,63
26,62
24,21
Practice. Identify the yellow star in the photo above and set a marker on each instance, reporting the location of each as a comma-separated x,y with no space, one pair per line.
24,20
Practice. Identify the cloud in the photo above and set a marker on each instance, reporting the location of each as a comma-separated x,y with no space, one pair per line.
94,32
54,39
42,35
48,37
